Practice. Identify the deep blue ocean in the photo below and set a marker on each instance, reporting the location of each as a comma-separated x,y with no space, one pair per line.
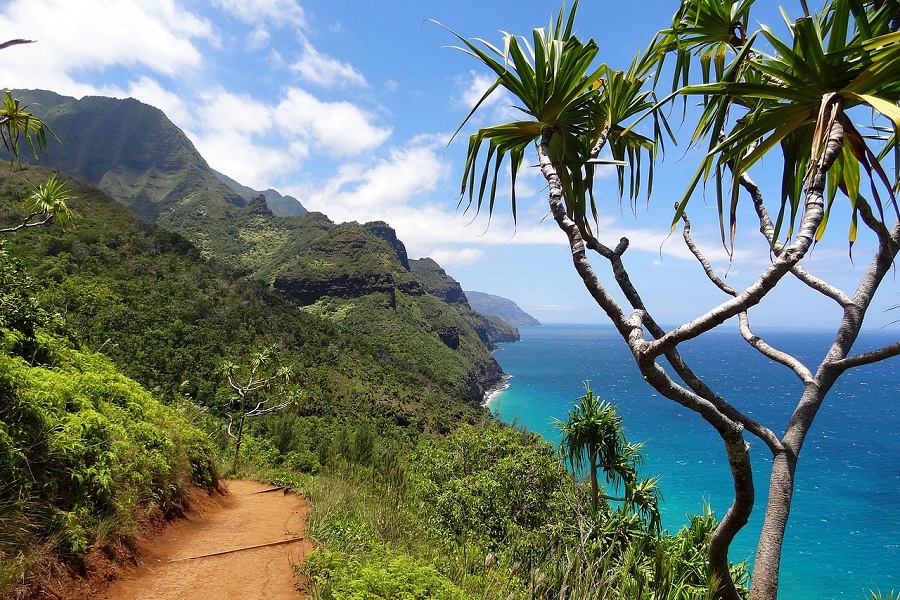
843,536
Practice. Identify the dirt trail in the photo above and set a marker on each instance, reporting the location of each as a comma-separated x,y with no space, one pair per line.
243,545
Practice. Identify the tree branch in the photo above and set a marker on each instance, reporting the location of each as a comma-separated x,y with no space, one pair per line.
744,319
28,223
16,42
814,210
867,358
767,229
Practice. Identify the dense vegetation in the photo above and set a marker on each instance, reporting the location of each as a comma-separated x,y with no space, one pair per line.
82,446
168,318
487,512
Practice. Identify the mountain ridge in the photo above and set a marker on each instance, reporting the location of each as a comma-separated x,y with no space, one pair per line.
502,308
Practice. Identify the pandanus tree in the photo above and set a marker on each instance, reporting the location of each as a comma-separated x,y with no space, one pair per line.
260,388
45,203
17,123
593,438
791,100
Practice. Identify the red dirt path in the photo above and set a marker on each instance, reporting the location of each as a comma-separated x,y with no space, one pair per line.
243,532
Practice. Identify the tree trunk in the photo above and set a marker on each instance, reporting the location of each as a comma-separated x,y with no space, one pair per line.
738,451
238,440
768,552
595,488
764,585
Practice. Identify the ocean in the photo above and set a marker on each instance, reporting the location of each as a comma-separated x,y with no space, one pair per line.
843,536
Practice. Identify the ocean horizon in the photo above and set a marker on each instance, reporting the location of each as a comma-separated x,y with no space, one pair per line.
843,536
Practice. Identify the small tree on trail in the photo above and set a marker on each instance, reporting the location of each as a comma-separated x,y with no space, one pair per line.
792,105
260,389
592,437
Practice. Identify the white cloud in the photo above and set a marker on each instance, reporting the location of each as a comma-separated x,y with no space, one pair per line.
258,38
156,35
259,143
222,111
314,67
278,12
249,162
340,128
233,133
366,189
451,258
475,88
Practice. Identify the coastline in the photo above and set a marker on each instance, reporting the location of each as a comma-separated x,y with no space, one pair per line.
494,391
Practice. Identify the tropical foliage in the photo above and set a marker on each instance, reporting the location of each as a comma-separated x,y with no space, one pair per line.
592,438
43,204
554,78
82,448
494,513
16,123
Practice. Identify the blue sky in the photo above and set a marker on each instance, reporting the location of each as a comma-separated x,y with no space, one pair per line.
349,106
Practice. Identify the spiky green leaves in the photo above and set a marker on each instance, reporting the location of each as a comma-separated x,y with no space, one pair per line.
51,200
842,58
17,123
553,79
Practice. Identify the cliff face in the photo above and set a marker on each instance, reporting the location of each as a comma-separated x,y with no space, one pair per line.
387,233
360,275
502,308
347,262
437,283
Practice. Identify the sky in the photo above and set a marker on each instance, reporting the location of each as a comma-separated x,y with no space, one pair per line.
351,107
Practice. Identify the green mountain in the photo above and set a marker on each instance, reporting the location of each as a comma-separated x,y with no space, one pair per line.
131,151
168,317
281,206
502,308
135,154
349,276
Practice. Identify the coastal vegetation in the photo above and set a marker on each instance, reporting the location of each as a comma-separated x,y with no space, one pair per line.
114,401
794,100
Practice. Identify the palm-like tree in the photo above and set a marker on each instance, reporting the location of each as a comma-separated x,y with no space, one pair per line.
797,103
580,110
796,100
46,202
16,123
592,438
261,390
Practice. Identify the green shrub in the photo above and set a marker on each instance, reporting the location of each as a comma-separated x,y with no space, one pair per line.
87,446
379,574
490,486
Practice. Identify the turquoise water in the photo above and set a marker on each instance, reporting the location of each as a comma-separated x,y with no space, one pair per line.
843,536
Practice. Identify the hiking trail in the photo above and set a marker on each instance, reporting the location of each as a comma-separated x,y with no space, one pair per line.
240,545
